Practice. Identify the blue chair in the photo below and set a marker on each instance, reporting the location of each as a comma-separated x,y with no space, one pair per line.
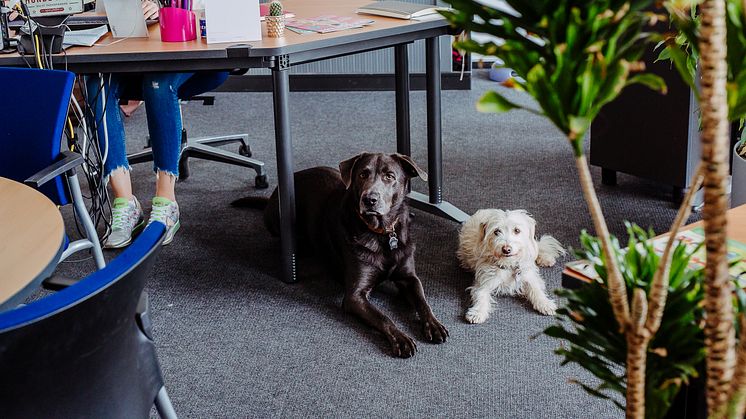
203,147
84,351
34,109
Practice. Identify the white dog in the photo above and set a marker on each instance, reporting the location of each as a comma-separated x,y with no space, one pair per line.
500,248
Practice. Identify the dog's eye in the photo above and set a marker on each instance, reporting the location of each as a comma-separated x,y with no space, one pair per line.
364,175
498,232
517,230
389,176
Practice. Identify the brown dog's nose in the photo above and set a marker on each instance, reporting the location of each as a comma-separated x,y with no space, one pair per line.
370,199
507,249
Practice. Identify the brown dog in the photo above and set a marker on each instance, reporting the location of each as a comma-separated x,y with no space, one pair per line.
357,220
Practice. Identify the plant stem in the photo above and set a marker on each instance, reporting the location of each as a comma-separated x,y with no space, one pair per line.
659,285
737,398
637,347
719,333
616,285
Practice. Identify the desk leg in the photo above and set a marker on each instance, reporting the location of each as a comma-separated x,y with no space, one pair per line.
434,203
285,181
401,78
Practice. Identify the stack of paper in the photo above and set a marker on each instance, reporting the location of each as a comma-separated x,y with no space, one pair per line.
325,24
86,37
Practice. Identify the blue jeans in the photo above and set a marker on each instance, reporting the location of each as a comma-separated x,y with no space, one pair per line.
159,91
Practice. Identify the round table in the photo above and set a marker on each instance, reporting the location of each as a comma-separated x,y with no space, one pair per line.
31,240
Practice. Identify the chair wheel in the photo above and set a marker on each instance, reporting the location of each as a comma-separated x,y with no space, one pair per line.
245,150
260,182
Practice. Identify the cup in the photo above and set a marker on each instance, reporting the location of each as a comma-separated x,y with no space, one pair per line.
177,25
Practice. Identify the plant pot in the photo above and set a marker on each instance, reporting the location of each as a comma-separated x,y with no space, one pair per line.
738,180
275,26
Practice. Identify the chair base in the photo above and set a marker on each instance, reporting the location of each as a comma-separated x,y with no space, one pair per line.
206,148
163,405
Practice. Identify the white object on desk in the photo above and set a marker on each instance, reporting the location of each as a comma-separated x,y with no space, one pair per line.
232,21
126,19
399,9
85,37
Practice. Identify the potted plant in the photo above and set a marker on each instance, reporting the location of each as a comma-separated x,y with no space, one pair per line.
718,23
574,57
676,351
275,20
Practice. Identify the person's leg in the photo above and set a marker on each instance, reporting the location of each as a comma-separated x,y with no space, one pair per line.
126,211
103,98
160,93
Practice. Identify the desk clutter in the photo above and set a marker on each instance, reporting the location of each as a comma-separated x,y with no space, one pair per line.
326,24
223,21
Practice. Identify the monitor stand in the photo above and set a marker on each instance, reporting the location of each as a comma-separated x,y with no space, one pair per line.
51,31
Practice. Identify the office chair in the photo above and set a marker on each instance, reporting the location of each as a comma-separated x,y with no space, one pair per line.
203,147
34,109
84,351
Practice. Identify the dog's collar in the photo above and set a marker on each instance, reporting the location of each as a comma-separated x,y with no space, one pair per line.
391,231
516,269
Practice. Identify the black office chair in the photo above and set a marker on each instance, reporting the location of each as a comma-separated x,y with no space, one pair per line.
203,147
85,351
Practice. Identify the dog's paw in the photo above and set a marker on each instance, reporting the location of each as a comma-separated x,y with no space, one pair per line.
475,315
546,307
402,345
546,261
434,331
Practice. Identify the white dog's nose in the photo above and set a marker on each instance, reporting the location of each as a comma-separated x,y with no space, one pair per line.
507,249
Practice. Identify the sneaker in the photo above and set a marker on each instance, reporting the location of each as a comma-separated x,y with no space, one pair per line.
126,220
167,212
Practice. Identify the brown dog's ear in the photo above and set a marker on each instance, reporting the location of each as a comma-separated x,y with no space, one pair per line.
346,167
410,167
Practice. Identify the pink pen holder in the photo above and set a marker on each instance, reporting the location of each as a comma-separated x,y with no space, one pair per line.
177,25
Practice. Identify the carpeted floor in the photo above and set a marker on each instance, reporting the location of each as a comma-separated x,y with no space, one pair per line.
236,342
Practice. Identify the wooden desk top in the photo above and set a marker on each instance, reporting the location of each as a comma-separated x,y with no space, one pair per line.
31,237
113,50
736,231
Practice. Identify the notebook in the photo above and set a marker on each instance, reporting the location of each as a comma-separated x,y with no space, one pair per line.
399,9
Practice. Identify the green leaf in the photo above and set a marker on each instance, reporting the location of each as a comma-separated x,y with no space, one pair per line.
679,59
495,103
650,80
579,125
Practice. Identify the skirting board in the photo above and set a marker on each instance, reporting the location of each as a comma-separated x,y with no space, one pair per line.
340,82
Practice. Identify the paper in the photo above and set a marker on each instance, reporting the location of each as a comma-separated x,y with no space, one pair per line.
327,23
126,19
232,21
86,37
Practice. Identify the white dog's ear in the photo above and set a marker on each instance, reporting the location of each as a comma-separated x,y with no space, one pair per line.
533,245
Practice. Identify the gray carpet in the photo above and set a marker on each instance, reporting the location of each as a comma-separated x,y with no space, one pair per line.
236,342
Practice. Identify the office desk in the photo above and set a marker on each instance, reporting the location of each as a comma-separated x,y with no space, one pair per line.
31,239
279,54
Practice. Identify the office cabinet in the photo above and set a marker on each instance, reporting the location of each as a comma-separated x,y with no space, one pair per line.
649,135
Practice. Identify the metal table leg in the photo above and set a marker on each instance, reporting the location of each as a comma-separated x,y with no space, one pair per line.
434,203
401,79
285,181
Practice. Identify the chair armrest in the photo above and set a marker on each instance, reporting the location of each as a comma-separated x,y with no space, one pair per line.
68,160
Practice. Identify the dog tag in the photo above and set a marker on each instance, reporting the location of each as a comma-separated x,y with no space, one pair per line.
393,241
